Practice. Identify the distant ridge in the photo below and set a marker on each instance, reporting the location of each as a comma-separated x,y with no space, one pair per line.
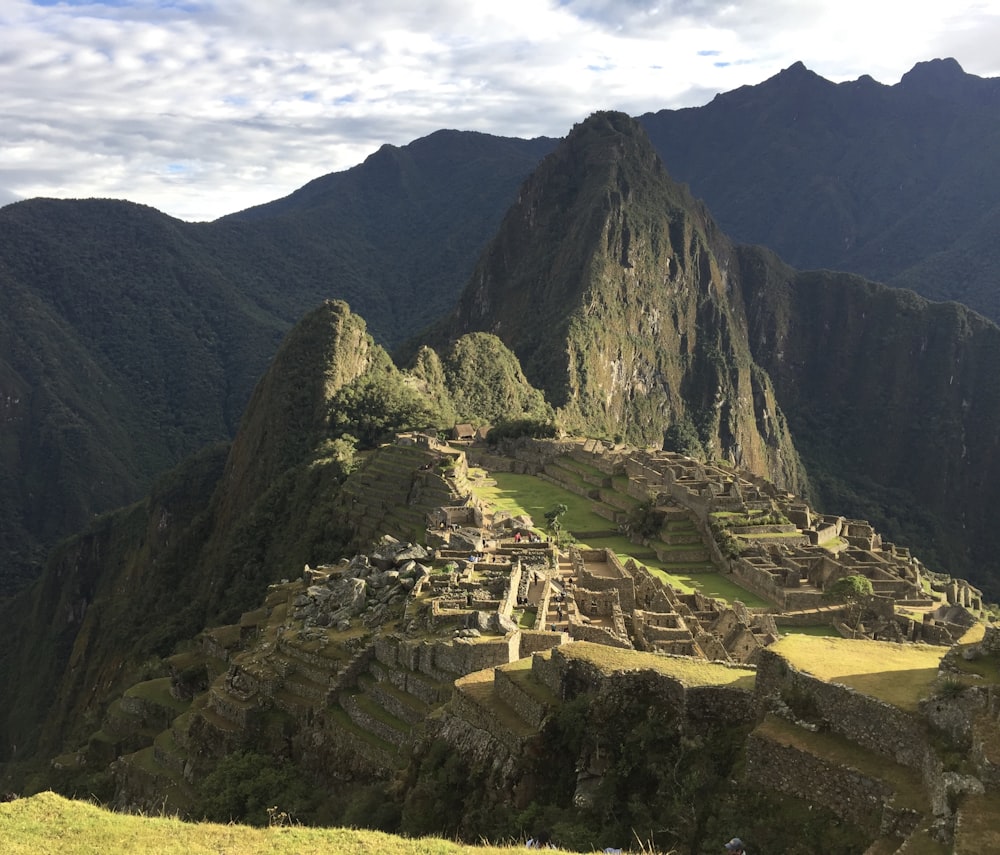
898,183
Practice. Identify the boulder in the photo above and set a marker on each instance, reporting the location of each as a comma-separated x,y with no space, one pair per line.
411,552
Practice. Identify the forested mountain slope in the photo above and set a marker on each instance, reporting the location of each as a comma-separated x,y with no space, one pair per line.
129,340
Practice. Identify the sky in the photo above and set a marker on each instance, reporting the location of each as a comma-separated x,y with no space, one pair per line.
206,107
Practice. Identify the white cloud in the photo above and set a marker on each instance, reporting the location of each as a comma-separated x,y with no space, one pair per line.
204,107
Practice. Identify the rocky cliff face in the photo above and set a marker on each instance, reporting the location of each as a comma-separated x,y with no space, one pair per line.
620,297
893,401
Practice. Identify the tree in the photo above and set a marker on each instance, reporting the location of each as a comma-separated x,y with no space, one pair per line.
553,517
852,591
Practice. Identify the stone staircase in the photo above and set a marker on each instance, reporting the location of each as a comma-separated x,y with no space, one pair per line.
681,544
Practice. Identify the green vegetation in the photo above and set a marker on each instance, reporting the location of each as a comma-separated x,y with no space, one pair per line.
583,281
836,749
822,631
379,404
487,385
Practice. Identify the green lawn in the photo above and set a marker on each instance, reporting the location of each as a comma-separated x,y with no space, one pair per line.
821,631
526,494
689,671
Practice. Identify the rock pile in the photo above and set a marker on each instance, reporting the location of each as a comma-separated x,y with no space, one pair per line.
365,587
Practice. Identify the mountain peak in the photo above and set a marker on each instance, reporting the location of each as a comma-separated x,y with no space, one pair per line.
934,69
935,77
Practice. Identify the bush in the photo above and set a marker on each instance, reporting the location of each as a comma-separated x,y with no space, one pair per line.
248,788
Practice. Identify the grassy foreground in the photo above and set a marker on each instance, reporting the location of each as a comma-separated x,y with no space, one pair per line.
47,824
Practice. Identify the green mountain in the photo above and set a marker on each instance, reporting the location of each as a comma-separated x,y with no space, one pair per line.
893,402
609,282
162,653
294,487
640,321
130,340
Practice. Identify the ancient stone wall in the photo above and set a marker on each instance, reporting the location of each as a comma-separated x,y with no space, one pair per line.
869,722
762,580
720,705
463,656
991,640
598,635
477,745
529,708
535,641
484,717
851,795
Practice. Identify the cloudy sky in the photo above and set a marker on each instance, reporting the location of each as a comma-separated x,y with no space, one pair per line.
205,107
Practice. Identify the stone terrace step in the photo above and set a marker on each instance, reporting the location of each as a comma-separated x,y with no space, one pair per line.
615,515
396,702
587,473
479,703
312,693
516,686
618,500
421,686
976,824
357,739
144,765
868,790
368,715
168,753
573,486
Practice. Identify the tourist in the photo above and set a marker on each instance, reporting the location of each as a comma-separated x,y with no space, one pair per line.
542,840
736,845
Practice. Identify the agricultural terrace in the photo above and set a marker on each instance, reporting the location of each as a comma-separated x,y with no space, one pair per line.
689,671
899,674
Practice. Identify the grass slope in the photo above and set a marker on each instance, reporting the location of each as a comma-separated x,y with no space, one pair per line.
47,824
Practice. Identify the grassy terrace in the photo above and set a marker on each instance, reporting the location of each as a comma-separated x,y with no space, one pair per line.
479,686
983,670
819,630
526,494
690,672
899,674
978,829
157,692
520,672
